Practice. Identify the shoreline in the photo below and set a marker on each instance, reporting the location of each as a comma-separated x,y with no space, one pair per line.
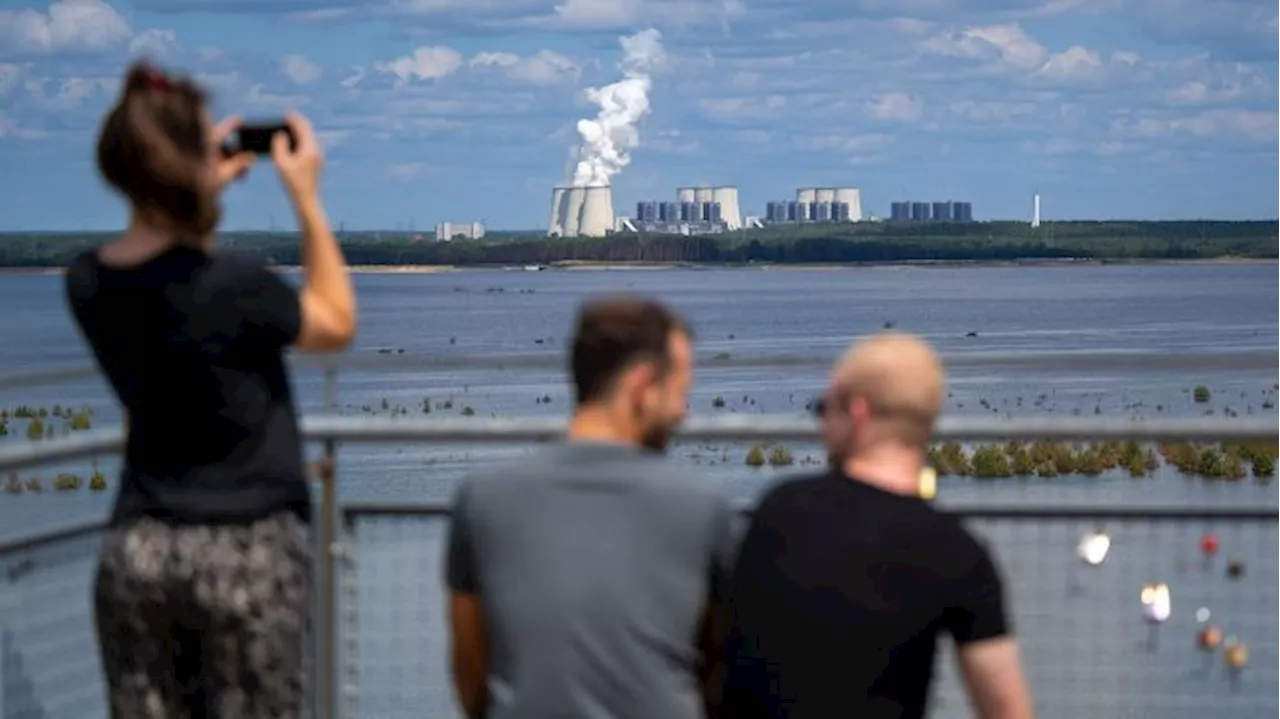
600,266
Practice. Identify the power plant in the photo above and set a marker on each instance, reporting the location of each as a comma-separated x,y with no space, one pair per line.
585,208
581,212
588,211
449,231
817,204
947,211
695,211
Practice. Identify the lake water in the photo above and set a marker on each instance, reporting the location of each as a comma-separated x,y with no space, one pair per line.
1114,340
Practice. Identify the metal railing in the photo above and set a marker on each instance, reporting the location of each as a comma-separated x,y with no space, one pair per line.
1087,650
18,454
347,535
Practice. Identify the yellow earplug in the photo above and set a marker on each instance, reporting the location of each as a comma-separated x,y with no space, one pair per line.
928,483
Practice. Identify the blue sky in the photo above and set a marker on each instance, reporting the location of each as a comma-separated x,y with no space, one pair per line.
460,110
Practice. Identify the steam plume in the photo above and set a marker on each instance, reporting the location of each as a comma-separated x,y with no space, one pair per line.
607,140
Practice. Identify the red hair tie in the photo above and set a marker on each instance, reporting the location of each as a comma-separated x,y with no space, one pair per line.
157,81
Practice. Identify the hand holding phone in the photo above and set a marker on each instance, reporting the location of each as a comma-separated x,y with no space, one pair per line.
256,138
231,164
298,158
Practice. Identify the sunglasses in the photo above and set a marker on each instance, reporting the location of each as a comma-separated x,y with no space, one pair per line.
818,406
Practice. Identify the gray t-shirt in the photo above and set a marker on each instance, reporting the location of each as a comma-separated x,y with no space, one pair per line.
594,563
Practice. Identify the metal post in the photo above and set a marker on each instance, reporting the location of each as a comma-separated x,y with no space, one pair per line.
326,689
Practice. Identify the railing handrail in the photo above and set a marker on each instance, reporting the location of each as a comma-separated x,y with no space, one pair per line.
385,361
23,454
59,533
44,378
977,510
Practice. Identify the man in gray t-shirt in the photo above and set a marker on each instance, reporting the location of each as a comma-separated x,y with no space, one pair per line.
585,581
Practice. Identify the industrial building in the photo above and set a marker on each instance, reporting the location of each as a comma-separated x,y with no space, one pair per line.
817,204
946,211
449,231
581,212
695,211
588,212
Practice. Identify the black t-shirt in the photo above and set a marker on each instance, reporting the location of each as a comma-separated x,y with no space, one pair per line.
193,344
838,596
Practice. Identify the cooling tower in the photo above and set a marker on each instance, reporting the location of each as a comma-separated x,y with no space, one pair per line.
807,195
825,194
851,196
596,219
555,228
703,194
686,194
571,210
729,212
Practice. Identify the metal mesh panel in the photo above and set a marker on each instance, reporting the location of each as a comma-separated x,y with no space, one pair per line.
395,649
49,667
1087,648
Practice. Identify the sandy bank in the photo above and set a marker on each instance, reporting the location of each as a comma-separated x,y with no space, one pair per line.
587,265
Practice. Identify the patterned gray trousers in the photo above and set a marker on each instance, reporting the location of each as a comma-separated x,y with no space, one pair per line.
205,620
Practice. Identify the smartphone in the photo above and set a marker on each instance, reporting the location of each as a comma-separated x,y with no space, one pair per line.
256,138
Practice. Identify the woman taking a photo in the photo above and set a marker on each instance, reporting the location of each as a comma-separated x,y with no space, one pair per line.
203,591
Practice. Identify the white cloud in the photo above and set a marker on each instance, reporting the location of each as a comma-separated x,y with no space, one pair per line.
299,69
406,170
332,138
740,108
322,15
1222,84
598,12
1050,8
424,63
989,111
542,68
66,93
1227,28
10,74
350,81
1009,48
494,59
857,144
90,25
1190,93
1071,147
1010,44
260,99
433,7
9,127
219,81
154,43
1074,62
753,137
1249,124
671,143
895,106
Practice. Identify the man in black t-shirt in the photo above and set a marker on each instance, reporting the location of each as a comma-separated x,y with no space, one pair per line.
845,580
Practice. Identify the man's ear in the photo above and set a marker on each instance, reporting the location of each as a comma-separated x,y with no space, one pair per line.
858,408
636,380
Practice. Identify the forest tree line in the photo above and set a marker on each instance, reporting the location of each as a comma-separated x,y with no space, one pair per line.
863,242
